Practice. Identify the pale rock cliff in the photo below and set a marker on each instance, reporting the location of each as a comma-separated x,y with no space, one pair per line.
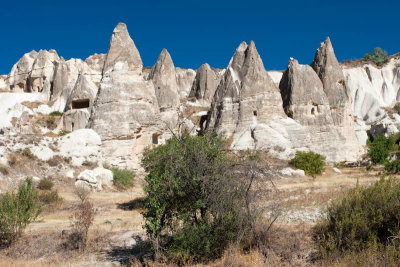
126,112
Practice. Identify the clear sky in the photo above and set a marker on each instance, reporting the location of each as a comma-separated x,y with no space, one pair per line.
195,32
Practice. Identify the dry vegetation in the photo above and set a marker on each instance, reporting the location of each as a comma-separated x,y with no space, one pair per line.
298,201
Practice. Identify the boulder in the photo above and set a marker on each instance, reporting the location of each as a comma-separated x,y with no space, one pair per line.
94,179
81,146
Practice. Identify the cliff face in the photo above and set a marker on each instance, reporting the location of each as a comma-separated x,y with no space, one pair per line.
326,107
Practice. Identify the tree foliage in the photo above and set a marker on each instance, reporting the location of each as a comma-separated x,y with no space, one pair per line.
312,163
379,56
17,210
193,206
379,148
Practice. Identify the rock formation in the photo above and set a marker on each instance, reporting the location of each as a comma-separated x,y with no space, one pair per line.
305,101
321,107
245,96
163,76
126,112
205,84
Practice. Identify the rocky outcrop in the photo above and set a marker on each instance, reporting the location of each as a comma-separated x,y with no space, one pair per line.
330,72
305,101
184,80
245,96
126,112
79,104
122,52
205,84
163,76
95,179
18,76
372,88
96,62
81,146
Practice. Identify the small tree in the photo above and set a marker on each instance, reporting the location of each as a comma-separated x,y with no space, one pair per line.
17,210
379,57
81,219
193,207
379,148
312,163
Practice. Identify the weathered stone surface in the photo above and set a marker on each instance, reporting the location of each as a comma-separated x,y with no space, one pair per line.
96,62
305,101
163,76
205,84
122,51
303,96
126,113
95,179
330,72
81,145
184,80
17,78
372,88
245,96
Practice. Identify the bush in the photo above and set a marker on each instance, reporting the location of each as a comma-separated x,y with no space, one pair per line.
27,153
312,163
17,210
392,167
397,107
62,133
123,178
193,205
45,184
379,57
49,197
363,217
56,113
379,148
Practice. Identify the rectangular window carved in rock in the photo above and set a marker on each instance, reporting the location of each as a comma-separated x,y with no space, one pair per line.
80,103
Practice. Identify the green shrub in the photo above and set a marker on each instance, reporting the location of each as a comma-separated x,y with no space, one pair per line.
123,178
379,148
397,107
379,57
363,217
193,206
392,167
56,113
200,242
49,197
312,163
62,133
45,184
27,153
17,210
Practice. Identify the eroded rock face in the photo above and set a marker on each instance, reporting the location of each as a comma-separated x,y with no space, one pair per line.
205,84
372,88
305,101
330,72
303,95
184,80
20,72
245,96
122,51
163,76
126,112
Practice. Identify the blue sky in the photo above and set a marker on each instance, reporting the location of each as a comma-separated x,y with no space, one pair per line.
195,32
